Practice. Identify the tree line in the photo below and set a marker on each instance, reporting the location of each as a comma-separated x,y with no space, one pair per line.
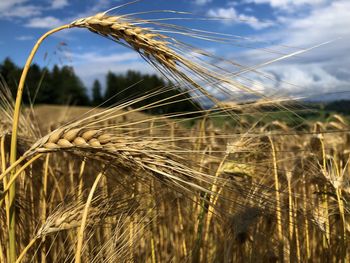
61,86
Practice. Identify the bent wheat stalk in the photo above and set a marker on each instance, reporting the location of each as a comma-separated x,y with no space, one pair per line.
13,151
84,219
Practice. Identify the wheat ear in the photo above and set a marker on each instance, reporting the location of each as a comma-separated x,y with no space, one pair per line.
155,48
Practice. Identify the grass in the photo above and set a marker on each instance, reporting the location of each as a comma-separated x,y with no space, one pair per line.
233,183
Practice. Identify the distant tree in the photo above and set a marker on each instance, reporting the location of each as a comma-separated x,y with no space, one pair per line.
97,98
44,91
71,89
340,106
11,73
115,85
134,85
55,83
33,85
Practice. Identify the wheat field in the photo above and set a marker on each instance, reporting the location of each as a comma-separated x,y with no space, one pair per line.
113,184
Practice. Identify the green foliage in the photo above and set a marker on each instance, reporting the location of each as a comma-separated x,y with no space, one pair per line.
58,86
133,84
97,98
11,73
341,106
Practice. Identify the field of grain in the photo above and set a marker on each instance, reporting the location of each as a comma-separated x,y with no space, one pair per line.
217,185
147,189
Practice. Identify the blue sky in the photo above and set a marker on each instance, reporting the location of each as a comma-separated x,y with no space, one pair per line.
267,26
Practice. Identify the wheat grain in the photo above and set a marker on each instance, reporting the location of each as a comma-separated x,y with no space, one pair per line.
140,39
128,152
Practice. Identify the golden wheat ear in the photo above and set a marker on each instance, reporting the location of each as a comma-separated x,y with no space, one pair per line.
155,48
177,61
190,67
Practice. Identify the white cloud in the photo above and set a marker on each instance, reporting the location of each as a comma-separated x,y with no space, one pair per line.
322,24
25,8
58,4
8,4
24,38
289,4
233,3
92,65
202,2
305,79
17,8
230,16
44,22
94,57
324,69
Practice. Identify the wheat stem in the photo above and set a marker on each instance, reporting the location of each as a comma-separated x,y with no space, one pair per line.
80,178
278,198
18,172
341,207
25,250
84,219
44,204
326,241
297,241
213,198
11,168
291,209
3,168
13,152
184,246
2,255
